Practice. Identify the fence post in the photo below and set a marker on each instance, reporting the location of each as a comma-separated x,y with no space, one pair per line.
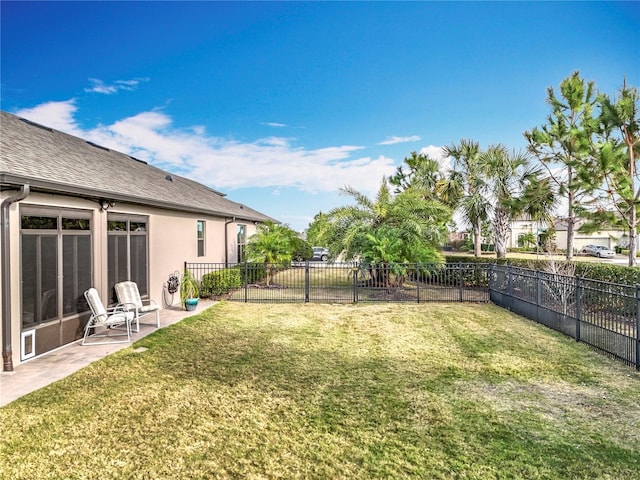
637,327
306,281
355,283
246,281
510,286
578,307
490,278
460,281
538,295
417,276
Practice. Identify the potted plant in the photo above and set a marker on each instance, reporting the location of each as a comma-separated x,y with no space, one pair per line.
189,291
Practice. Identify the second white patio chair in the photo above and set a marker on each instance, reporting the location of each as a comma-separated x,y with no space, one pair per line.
110,319
129,297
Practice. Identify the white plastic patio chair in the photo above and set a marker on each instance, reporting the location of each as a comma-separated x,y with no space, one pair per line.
129,297
111,319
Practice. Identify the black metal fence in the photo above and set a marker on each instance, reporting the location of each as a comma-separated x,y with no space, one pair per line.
342,282
603,315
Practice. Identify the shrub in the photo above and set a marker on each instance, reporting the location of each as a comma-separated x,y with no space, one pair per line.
220,282
301,249
458,244
591,270
254,272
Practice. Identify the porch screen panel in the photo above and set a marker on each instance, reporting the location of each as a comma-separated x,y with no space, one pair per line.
30,283
139,263
55,262
128,251
76,267
49,259
117,246
39,279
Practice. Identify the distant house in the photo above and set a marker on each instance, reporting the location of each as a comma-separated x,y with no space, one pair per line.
608,238
523,226
458,236
77,215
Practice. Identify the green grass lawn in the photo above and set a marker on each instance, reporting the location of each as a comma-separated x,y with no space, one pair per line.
429,391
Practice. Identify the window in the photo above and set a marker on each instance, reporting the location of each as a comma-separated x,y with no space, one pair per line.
241,241
201,237
127,251
54,242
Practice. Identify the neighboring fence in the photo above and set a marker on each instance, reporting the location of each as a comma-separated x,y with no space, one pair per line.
342,282
604,315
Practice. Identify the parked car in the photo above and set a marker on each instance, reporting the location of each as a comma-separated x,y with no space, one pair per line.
320,253
599,251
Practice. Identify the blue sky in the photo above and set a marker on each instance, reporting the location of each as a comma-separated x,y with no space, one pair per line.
281,104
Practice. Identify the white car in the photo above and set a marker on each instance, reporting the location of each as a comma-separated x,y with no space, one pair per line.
599,251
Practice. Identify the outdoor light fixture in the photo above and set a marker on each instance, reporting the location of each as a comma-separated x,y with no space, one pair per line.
106,204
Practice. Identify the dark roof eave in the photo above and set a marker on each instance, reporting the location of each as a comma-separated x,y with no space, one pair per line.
39,185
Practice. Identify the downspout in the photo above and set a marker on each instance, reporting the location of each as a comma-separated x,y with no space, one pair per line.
7,360
226,244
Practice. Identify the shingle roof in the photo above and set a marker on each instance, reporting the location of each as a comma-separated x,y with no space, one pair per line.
52,161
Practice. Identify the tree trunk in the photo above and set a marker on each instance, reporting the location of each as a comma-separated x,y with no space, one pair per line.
501,229
633,248
633,211
477,240
266,272
570,225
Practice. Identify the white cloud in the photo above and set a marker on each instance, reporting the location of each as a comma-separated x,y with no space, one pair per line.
432,151
395,140
224,163
99,86
275,124
437,154
56,115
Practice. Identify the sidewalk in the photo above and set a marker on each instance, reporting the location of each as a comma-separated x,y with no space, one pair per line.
57,364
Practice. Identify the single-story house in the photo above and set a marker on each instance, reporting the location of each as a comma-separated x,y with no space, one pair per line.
608,238
522,226
77,215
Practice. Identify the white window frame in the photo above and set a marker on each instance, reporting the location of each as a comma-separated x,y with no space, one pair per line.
201,241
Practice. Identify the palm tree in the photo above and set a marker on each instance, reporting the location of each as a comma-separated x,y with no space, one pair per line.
389,229
619,158
466,187
538,201
272,243
508,176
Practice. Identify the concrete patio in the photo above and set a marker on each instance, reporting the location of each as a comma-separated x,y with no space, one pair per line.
57,364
